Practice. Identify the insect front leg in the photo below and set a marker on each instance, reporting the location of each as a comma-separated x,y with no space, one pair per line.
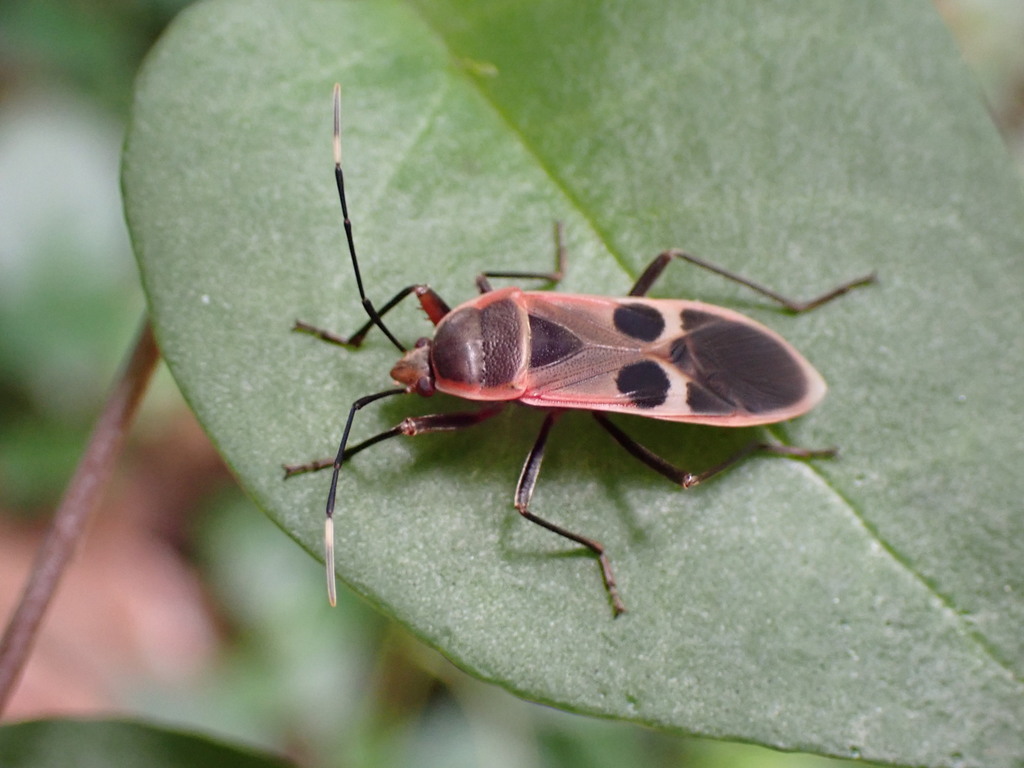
429,299
524,492
410,427
436,309
656,267
356,339
689,479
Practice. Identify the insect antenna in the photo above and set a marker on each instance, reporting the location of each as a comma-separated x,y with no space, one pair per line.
339,178
338,461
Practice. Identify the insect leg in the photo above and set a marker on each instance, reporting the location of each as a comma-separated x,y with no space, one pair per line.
524,492
484,285
656,267
644,454
434,305
356,339
758,447
412,426
690,479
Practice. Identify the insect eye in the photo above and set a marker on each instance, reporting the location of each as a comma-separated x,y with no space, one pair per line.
425,386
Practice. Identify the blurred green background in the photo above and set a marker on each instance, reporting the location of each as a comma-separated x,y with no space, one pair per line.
185,604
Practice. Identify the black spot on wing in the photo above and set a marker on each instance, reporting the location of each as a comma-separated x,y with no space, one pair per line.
644,383
736,364
639,321
550,342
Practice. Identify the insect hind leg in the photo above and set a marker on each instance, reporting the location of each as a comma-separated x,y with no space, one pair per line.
662,260
688,479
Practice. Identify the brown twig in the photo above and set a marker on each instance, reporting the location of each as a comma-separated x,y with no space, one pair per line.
81,498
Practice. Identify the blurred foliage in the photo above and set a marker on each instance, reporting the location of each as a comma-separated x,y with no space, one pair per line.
69,299
90,47
340,687
989,33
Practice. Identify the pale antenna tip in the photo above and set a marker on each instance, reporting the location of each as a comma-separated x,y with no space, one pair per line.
332,594
337,124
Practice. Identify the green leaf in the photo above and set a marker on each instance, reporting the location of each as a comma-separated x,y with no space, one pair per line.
102,743
866,606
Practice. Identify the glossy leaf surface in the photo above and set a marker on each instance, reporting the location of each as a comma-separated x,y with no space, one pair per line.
867,606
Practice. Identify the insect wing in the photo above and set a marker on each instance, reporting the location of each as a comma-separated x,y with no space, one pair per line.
665,359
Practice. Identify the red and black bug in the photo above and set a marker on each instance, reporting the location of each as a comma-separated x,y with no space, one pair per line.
666,359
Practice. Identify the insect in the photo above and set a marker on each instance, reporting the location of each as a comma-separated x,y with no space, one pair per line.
666,359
